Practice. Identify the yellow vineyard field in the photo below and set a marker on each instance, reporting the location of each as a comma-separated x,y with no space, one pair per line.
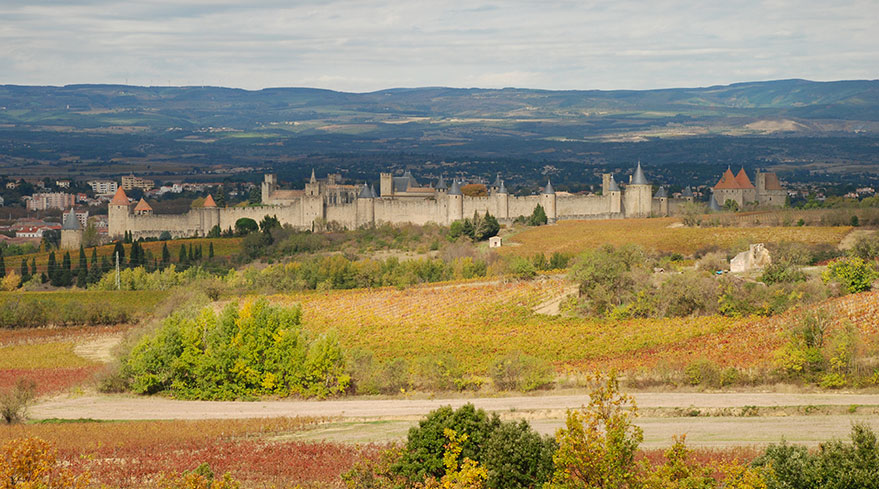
659,234
476,323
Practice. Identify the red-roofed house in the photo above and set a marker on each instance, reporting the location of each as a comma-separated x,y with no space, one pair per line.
739,189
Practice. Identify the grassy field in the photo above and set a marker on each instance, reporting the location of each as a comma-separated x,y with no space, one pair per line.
223,248
477,323
657,234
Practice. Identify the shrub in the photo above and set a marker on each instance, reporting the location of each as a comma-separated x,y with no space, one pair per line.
866,247
516,457
15,402
425,444
438,373
854,274
597,446
33,463
522,268
517,371
257,349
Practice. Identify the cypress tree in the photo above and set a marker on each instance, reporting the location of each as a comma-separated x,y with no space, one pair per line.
106,266
120,251
66,270
211,250
25,276
33,266
2,265
191,254
166,255
182,258
51,267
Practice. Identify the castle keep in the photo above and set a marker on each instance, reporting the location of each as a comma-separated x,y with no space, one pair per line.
400,200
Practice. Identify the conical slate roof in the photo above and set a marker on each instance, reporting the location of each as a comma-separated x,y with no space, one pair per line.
312,179
638,178
456,189
120,198
441,184
365,193
613,186
502,189
372,194
548,190
497,181
688,192
70,222
661,193
208,201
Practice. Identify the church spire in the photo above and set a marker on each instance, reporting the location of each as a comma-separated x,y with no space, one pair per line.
313,179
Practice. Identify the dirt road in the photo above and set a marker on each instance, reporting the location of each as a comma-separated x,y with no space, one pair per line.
131,407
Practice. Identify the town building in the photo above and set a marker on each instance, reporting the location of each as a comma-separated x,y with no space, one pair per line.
738,188
103,187
132,182
50,200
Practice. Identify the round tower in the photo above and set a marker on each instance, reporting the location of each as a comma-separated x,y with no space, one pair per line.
118,212
548,201
639,195
502,202
365,207
456,203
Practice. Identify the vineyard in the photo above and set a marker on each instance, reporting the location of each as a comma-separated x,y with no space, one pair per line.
21,309
476,323
253,451
223,248
657,234
46,356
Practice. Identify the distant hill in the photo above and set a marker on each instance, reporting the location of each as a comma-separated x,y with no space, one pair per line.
724,108
804,129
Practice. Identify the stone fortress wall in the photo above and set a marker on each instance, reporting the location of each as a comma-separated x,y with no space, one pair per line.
401,201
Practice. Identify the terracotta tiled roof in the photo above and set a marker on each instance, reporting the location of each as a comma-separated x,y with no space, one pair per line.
771,181
120,198
743,180
209,201
728,180
142,206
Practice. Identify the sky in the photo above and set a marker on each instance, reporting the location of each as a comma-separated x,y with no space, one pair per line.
369,45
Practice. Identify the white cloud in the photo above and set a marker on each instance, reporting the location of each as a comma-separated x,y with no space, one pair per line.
370,45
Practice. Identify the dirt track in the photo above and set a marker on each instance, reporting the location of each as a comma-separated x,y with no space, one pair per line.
363,420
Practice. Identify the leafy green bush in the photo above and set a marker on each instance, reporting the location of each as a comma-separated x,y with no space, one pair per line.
257,349
854,274
517,457
836,464
513,454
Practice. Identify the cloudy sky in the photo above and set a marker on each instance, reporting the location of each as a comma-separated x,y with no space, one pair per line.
376,44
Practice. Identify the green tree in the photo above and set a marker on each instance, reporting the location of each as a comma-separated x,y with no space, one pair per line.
538,216
183,257
254,196
854,274
23,271
33,266
268,223
52,268
245,225
118,254
2,264
220,198
731,205
214,232
486,227
211,250
166,255
90,236
597,446
605,277
66,276
82,270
